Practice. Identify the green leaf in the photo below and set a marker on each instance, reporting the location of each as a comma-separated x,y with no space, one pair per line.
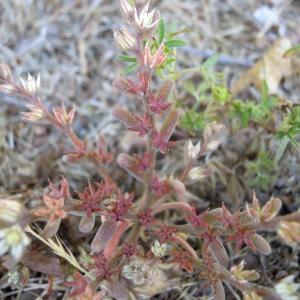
132,67
126,58
281,149
292,51
161,31
192,121
175,43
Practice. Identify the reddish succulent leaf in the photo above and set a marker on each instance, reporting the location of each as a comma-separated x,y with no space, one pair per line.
218,291
78,286
125,117
39,262
112,245
261,244
51,229
165,90
219,252
103,235
169,124
128,86
116,289
87,223
131,165
178,189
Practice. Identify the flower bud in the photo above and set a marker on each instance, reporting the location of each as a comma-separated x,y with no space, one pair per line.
31,85
63,117
289,232
5,72
7,89
156,60
124,39
127,11
35,113
191,152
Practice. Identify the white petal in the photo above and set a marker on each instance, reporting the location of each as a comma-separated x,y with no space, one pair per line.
38,81
3,247
3,232
17,252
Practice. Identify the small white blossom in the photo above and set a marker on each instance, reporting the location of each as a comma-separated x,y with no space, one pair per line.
146,20
13,277
288,289
31,85
190,151
14,241
159,249
139,272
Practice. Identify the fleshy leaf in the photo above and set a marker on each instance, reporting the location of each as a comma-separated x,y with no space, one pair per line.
116,289
219,252
125,117
103,235
169,124
51,229
261,244
218,291
87,223
131,165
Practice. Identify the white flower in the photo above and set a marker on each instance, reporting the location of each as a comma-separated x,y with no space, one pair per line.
31,85
146,20
10,210
190,151
288,289
14,241
159,249
140,272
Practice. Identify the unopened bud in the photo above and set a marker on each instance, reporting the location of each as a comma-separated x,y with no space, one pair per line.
127,11
191,152
124,39
35,113
7,89
5,72
289,232
62,116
